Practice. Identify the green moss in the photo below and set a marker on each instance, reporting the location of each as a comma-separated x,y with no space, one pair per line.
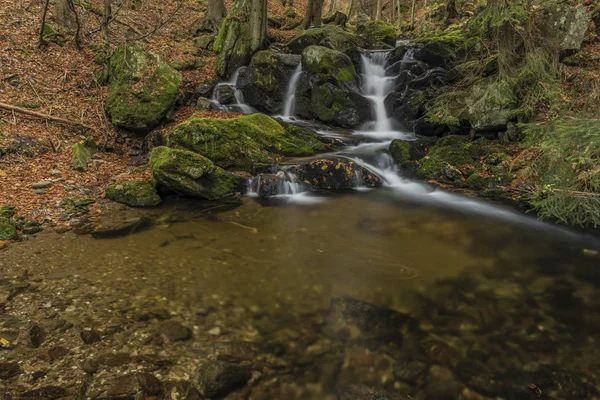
82,157
328,100
453,151
327,64
135,193
7,211
400,152
8,230
50,35
381,31
242,142
263,63
476,182
143,89
191,174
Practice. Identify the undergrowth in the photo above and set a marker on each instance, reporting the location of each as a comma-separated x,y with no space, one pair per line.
569,150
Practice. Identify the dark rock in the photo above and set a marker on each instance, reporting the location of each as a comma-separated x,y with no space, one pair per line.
90,336
160,314
206,88
114,359
9,370
90,365
54,353
336,174
442,384
352,319
37,375
45,392
225,94
37,335
267,185
435,55
236,352
114,226
203,104
440,352
175,331
181,390
422,127
42,185
126,387
217,378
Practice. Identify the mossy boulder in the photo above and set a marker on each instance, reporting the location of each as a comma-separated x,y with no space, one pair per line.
336,174
143,89
566,25
190,174
8,230
49,34
264,82
244,142
7,211
328,65
82,156
400,152
331,104
488,106
379,32
135,193
331,36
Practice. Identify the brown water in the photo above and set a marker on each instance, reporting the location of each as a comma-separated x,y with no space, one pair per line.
509,299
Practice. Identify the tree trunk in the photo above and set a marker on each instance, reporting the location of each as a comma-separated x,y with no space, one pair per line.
314,14
399,13
64,16
215,14
43,24
412,14
243,33
378,11
106,37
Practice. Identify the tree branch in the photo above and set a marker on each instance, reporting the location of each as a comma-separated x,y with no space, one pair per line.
152,32
20,110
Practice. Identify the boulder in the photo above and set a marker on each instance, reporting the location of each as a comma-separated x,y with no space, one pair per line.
567,25
326,64
225,94
488,106
8,230
335,174
7,211
267,185
331,104
264,83
190,174
135,193
216,379
378,31
143,89
331,36
244,142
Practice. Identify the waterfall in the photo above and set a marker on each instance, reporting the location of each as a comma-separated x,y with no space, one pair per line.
240,104
376,86
289,107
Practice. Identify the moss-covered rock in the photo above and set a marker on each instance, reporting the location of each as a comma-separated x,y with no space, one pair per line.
190,174
452,151
400,152
265,82
328,65
331,104
8,230
49,34
476,181
143,89
7,211
379,31
135,193
333,37
243,142
82,156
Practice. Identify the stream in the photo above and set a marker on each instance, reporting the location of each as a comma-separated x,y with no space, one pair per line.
435,295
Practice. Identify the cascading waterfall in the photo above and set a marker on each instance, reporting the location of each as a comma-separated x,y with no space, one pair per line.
377,86
240,104
289,106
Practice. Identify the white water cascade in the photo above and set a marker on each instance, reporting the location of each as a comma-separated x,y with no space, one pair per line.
289,107
377,86
240,104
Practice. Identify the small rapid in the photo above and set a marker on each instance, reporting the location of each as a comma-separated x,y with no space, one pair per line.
239,105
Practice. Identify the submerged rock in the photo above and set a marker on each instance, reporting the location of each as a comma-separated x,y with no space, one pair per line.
187,173
143,89
217,378
127,386
354,320
336,174
135,193
244,142
9,370
225,94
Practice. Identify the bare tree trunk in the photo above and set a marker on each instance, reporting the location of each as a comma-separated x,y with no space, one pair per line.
399,15
106,14
378,11
77,24
64,15
44,13
314,14
215,14
412,14
258,23
308,14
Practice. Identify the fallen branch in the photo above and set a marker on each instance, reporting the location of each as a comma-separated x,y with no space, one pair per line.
576,193
20,110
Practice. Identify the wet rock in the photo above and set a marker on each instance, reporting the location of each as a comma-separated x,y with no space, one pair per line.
114,359
9,370
90,336
439,352
328,65
160,314
8,230
266,185
408,370
45,392
181,390
37,335
135,193
236,352
217,378
332,37
175,331
90,365
352,319
203,104
225,94
206,88
54,353
118,225
336,174
126,387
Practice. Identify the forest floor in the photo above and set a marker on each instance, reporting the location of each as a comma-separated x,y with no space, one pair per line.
59,81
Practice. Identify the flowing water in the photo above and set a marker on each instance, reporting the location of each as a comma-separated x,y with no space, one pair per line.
500,305
289,106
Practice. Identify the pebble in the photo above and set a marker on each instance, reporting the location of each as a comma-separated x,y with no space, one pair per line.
90,336
40,191
216,331
9,370
55,172
175,331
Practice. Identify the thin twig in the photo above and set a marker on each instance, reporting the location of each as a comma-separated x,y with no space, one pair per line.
152,32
